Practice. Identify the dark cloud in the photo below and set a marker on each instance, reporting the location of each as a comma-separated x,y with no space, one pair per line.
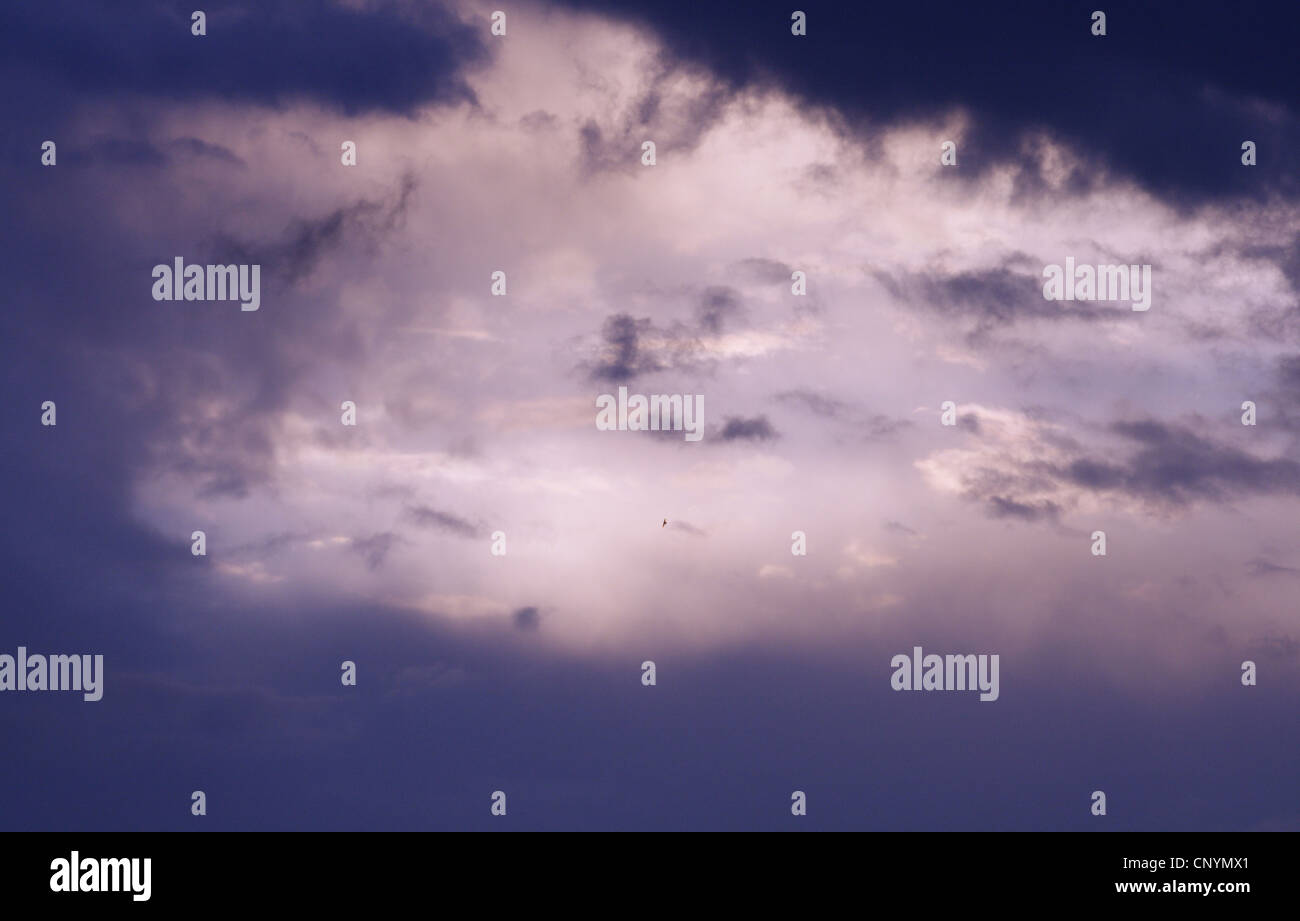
271,545
632,347
196,147
766,271
528,618
385,57
1262,567
675,121
1174,464
871,425
898,527
306,240
374,549
1166,97
716,308
816,403
539,120
881,426
1166,466
595,153
1287,258
196,393
1002,507
624,357
147,390
992,299
1273,320
1287,372
737,428
427,517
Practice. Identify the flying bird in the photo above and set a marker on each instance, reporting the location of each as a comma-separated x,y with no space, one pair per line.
665,523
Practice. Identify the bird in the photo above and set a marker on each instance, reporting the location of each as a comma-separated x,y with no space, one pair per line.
665,523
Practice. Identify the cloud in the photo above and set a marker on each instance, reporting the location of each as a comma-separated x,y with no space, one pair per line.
1024,468
863,74
427,517
1002,507
527,619
178,416
737,428
717,307
306,240
675,106
634,347
765,271
198,148
374,549
871,425
1176,465
1262,567
816,403
625,357
539,120
273,544
991,298
270,53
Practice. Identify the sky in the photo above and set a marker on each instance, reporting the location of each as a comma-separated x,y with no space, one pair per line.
475,416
